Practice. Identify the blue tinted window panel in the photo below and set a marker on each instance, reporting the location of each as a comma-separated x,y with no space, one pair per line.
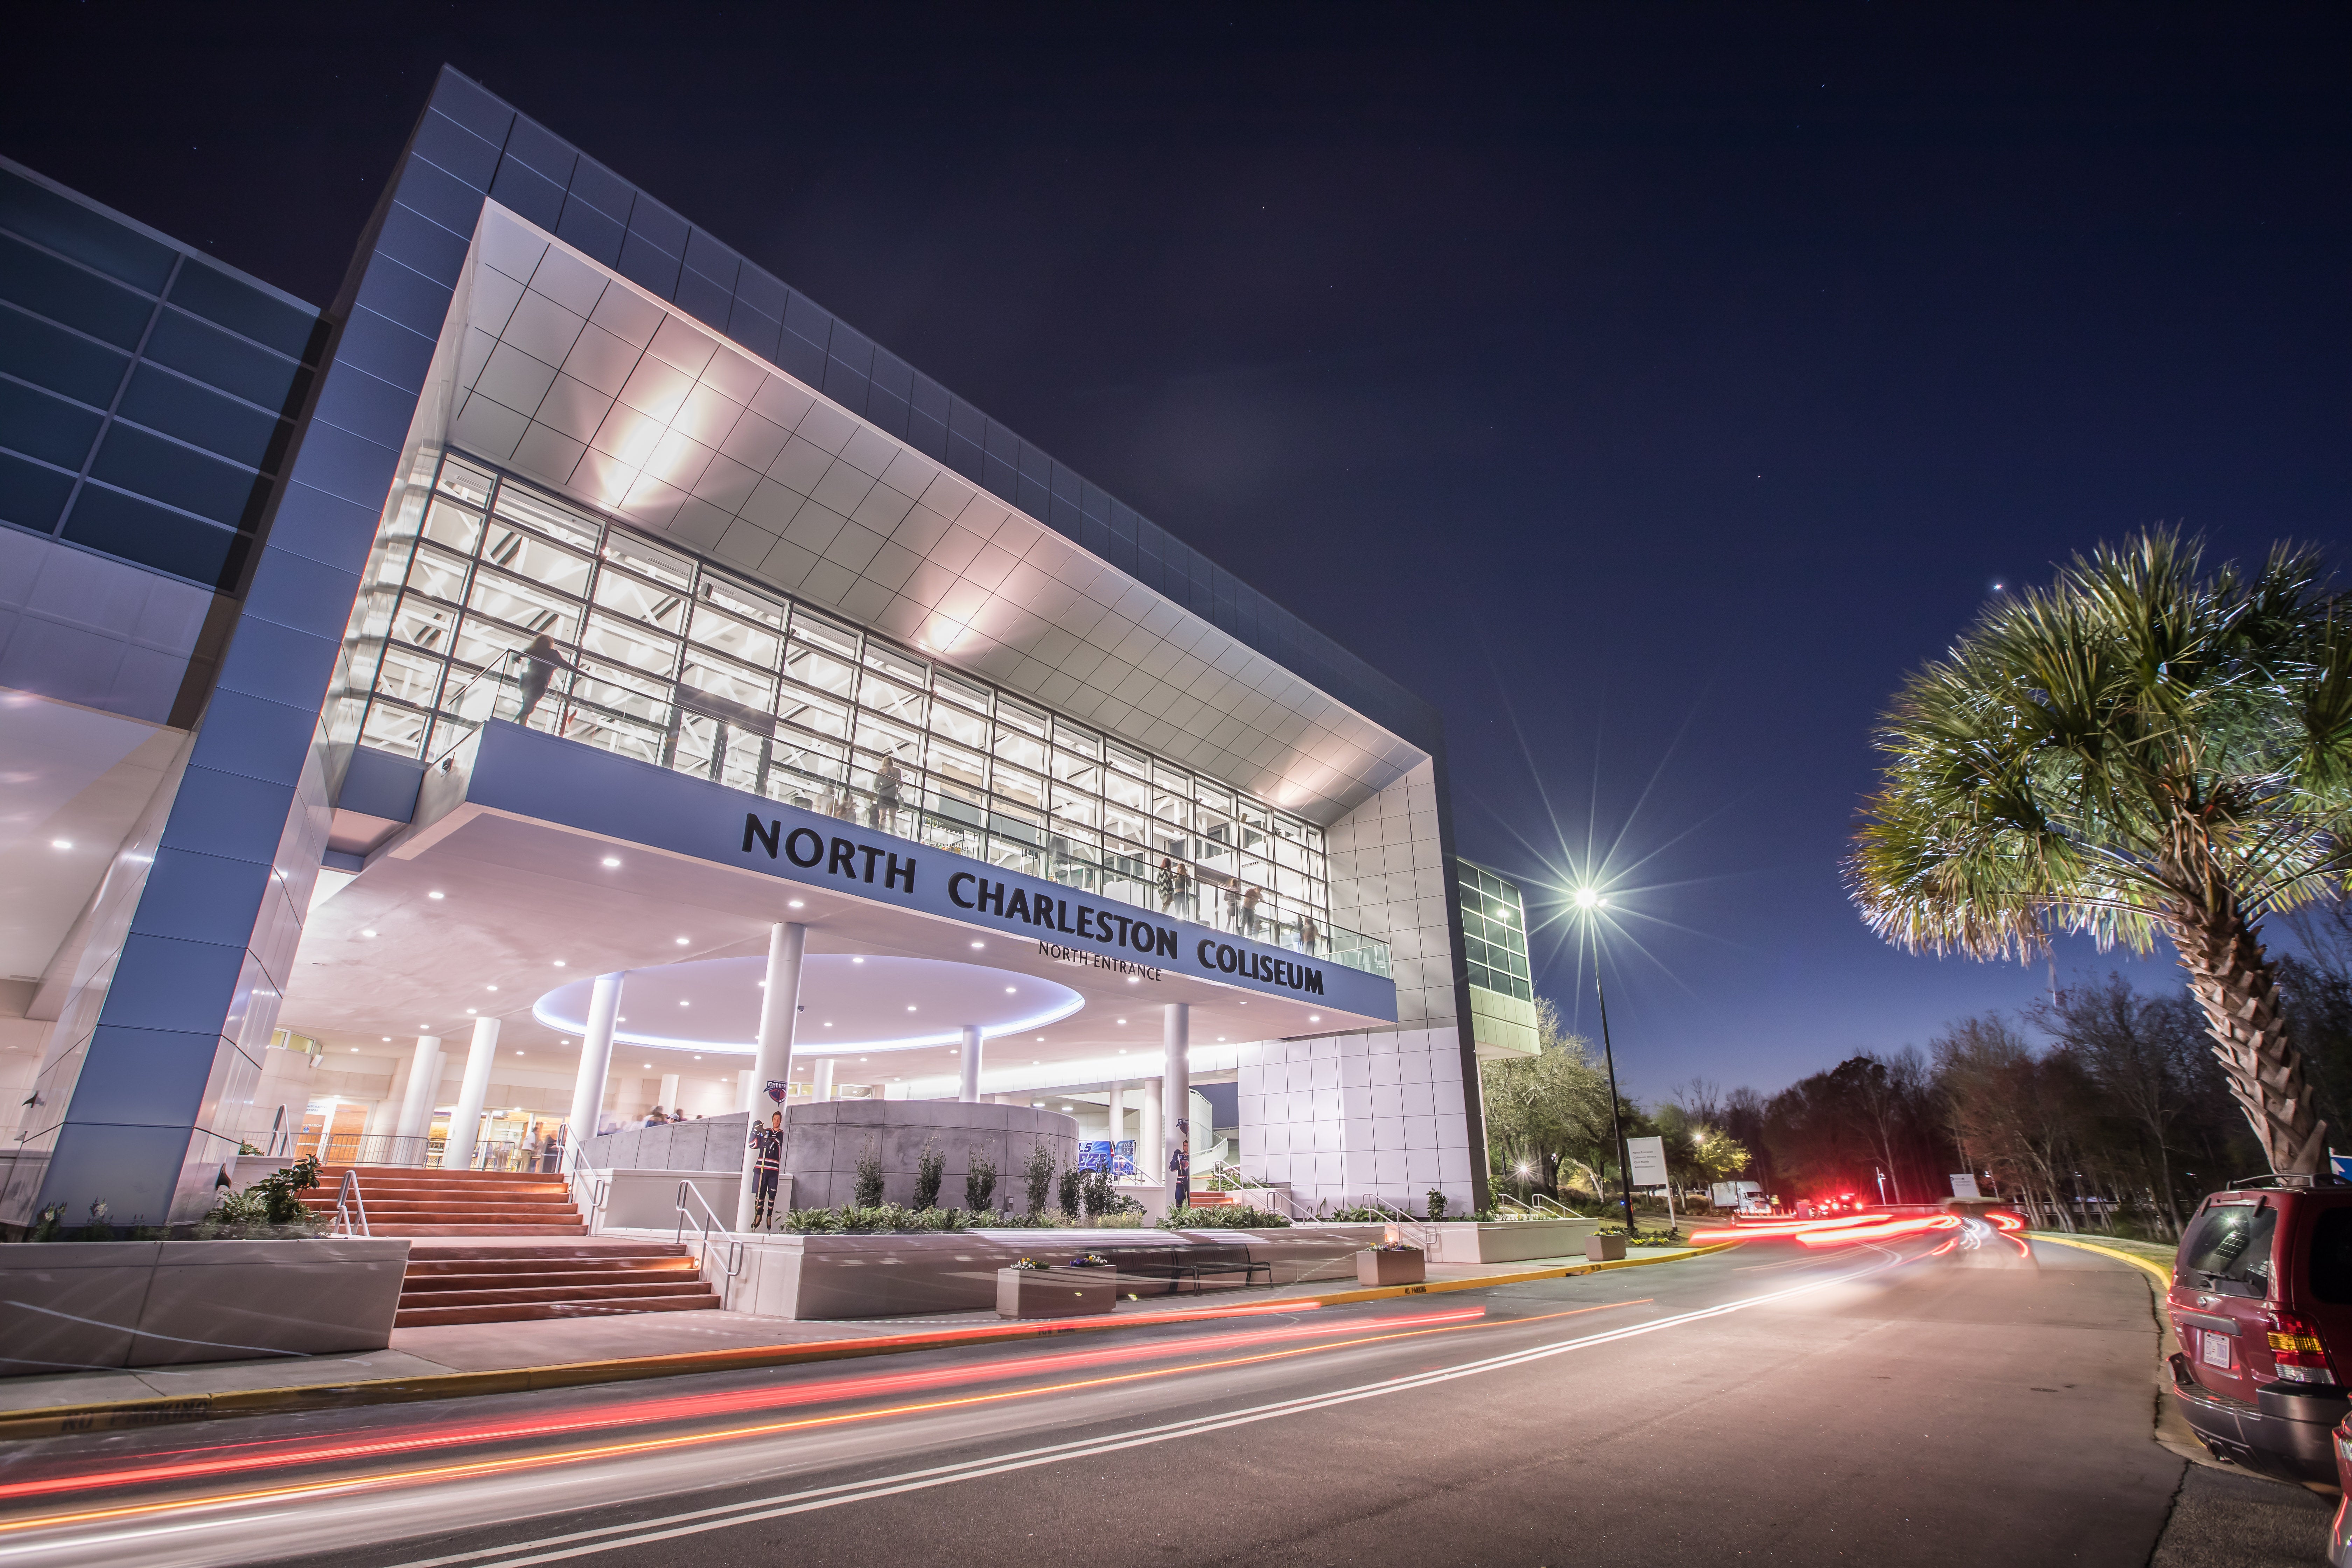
605,191
472,108
927,435
648,265
409,235
47,427
133,460
71,230
800,358
432,190
365,404
405,296
890,374
385,349
541,150
852,348
887,410
217,359
930,399
344,464
326,528
524,190
703,300
591,232
658,226
161,400
712,259
296,590
845,386
30,495
242,308
51,356
806,319
279,664
753,331
449,145
762,292
64,292
169,542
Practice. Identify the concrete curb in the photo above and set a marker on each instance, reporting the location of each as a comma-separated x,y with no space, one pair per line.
2161,1276
67,1420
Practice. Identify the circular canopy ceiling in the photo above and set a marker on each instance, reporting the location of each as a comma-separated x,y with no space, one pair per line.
847,1003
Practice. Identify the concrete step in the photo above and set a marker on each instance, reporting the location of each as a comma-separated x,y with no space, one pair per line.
577,1229
650,1290
582,1269
519,1312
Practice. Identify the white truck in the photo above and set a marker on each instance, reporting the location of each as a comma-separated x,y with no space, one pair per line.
1740,1197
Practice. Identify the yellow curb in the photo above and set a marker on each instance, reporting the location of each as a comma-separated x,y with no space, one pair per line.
2163,1276
127,1415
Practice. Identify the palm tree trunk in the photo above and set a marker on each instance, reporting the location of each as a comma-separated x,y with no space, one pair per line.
2233,982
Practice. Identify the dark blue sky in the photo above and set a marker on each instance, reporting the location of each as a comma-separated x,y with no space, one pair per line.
1649,387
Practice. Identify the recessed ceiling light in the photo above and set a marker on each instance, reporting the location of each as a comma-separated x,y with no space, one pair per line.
494,988
856,961
517,1053
367,933
1132,979
473,1009
559,964
387,1039
1122,1020
1221,1039
911,1006
861,1059
681,942
67,844
686,1003
1313,1017
828,1023
978,944
799,903
698,1058
647,1067
1069,1107
1122,1050
611,860
1008,991
434,894
355,1050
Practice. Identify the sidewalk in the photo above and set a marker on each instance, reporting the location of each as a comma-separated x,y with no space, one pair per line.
457,1360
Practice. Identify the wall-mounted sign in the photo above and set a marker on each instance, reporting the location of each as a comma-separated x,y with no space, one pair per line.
525,775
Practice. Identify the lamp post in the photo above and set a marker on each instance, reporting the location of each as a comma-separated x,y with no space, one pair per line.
1589,901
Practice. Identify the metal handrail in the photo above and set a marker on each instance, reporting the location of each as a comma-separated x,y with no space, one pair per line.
1406,1224
451,708
568,1166
348,1201
704,1226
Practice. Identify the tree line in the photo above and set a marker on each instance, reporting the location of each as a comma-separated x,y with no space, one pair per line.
2103,1105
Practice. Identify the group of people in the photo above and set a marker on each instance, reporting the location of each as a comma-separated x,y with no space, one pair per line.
1242,905
657,1117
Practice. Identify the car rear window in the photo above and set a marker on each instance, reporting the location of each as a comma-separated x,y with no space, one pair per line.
2331,1257
2229,1249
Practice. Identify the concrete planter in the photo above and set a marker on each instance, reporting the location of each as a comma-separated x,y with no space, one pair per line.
819,1277
1055,1292
1392,1265
1504,1241
69,1306
1604,1249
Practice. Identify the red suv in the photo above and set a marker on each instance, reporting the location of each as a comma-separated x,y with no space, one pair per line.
2262,1300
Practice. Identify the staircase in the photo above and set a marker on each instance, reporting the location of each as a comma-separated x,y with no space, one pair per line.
501,1246
507,1281
406,1200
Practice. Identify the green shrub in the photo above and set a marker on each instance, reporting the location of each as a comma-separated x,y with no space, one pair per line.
928,1172
1040,1171
1436,1203
869,1179
1356,1215
1223,1217
1643,1238
979,1180
1072,1194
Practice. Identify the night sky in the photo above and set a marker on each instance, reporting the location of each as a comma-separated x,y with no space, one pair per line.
1649,387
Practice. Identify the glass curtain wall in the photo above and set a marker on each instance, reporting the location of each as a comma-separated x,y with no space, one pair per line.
487,595
1495,931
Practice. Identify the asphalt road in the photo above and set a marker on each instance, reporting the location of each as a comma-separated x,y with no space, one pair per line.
1874,1403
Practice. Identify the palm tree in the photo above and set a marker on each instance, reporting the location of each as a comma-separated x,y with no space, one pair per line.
2139,749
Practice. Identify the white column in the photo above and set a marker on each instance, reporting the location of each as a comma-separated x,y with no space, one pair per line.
971,1065
457,1154
825,1066
416,1105
669,1098
1115,1103
780,1003
743,1090
1150,1148
1176,1086
595,1058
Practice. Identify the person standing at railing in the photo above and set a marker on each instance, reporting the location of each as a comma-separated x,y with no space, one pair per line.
541,661
887,779
769,1142
1249,913
1310,936
1167,884
1179,1165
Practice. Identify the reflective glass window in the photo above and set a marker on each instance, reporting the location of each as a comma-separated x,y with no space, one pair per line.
747,641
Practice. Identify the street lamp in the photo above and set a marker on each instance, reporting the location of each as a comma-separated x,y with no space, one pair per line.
1590,902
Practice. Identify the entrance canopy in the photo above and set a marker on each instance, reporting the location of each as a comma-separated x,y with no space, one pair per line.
849,1003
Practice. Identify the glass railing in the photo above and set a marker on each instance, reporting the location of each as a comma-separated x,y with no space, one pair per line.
712,737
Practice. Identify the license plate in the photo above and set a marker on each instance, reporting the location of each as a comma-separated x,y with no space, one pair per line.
2216,1349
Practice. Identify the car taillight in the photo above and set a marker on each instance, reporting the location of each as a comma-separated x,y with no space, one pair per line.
2296,1348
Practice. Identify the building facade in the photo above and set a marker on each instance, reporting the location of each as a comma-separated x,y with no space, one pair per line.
572,597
